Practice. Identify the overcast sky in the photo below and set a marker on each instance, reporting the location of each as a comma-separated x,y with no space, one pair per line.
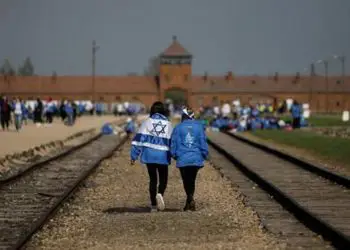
245,36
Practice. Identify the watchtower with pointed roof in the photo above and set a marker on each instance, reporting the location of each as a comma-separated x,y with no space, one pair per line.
175,71
175,65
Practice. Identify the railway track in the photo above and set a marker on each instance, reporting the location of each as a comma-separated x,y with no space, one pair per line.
30,198
316,197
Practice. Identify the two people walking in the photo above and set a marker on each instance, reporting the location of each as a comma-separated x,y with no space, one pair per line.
157,142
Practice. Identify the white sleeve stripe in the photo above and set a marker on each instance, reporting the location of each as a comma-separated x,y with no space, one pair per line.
150,145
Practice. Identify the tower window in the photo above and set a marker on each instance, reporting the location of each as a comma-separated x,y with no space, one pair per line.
186,77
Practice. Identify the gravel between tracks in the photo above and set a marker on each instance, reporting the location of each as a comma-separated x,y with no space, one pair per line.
92,219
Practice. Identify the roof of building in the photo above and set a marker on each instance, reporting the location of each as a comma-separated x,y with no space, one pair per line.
175,49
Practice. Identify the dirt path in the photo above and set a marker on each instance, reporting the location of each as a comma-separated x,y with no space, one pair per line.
93,218
31,136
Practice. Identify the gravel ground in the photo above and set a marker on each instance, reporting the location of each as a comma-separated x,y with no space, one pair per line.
110,212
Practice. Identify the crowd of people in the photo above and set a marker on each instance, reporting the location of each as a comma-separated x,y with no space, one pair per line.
17,112
287,115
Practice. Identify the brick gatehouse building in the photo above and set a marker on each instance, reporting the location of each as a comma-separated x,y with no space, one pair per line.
175,76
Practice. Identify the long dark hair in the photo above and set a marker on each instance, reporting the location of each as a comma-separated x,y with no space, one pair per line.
158,108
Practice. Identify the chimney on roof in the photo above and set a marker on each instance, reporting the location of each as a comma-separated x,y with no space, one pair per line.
312,69
205,77
275,78
174,38
229,76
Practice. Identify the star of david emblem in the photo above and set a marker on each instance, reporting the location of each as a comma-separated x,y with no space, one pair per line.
158,128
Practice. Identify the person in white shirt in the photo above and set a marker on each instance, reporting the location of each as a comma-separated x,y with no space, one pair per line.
18,111
216,110
226,110
89,107
120,109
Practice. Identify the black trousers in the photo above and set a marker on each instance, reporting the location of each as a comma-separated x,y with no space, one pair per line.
49,117
189,175
155,171
5,120
296,122
37,117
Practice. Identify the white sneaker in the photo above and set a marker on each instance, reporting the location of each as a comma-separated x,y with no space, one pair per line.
160,202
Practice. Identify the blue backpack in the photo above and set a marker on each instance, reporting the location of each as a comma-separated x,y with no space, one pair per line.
107,129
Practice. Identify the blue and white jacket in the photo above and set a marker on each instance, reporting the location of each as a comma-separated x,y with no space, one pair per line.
152,141
189,145
130,127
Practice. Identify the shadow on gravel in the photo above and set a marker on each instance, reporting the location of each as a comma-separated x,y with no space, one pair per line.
120,210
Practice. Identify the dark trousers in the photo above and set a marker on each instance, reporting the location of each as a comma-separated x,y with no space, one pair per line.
49,117
296,122
155,171
37,117
5,119
189,175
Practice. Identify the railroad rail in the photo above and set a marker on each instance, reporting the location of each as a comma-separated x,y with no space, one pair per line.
318,203
30,198
312,167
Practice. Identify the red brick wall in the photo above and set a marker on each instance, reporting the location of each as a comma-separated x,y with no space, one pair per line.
145,89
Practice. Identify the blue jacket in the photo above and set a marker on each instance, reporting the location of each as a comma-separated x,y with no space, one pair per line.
50,108
296,111
255,112
152,141
130,127
107,129
68,109
189,145
99,107
81,108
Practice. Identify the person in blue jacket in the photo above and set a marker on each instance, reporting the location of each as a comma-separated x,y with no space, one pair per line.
189,148
68,108
152,143
99,109
130,126
296,111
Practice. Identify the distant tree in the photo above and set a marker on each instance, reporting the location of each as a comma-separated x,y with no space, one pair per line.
27,69
7,69
152,68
